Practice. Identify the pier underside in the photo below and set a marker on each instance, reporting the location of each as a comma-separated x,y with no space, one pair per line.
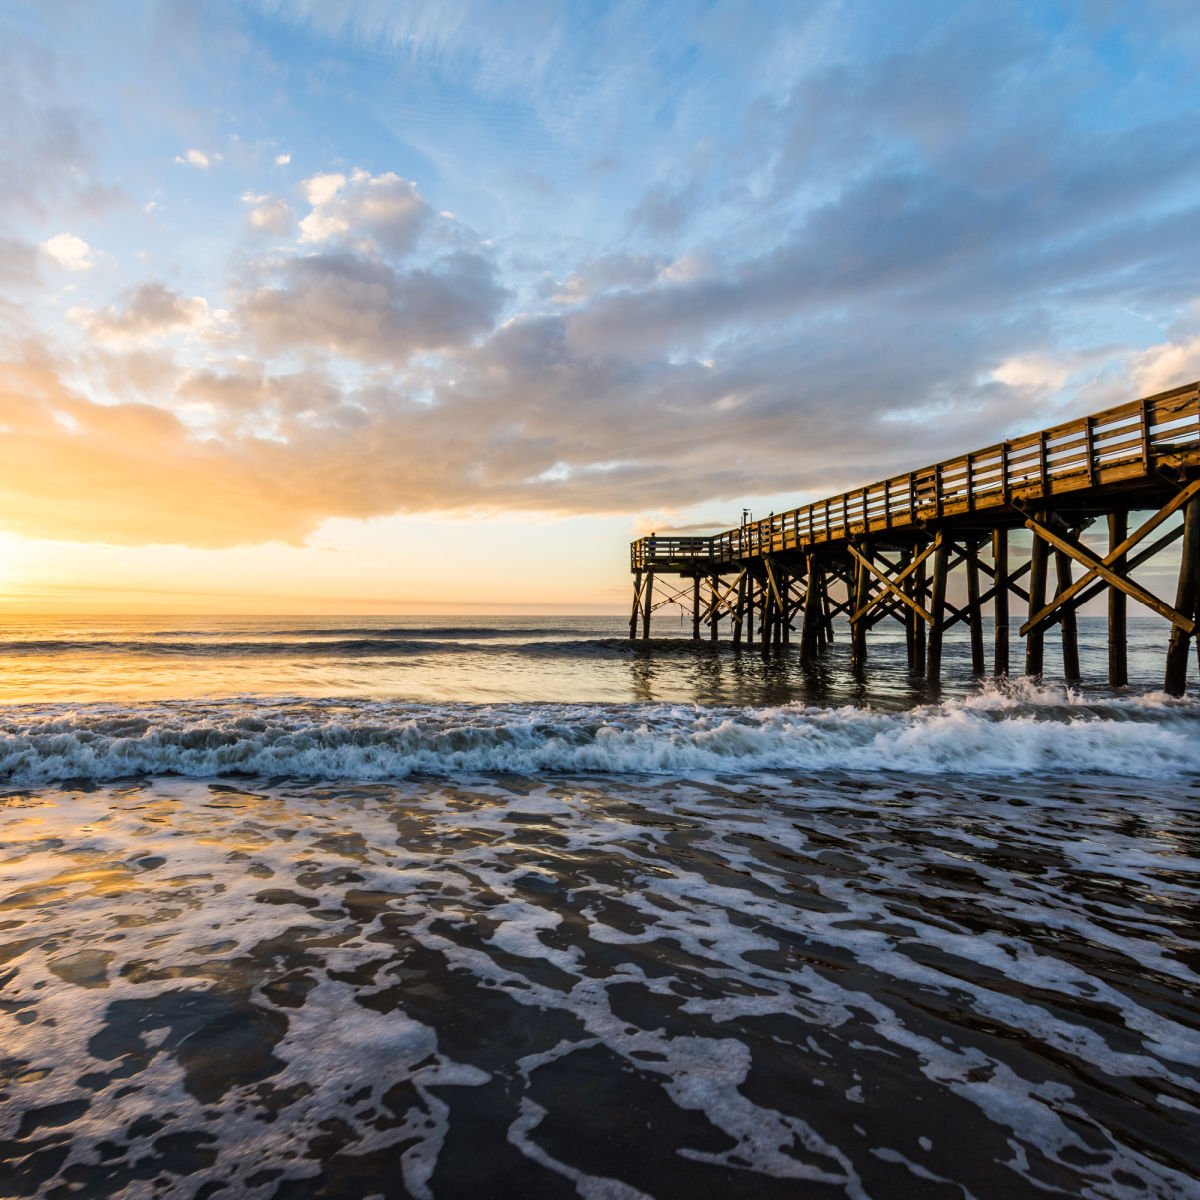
1025,533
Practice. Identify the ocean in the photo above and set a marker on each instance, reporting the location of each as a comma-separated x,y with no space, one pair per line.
513,907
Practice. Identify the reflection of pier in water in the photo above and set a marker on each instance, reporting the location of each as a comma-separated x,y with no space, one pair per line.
890,549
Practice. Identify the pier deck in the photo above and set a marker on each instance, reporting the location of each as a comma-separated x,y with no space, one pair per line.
888,549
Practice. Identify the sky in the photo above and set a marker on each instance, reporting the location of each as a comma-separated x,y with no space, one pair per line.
391,307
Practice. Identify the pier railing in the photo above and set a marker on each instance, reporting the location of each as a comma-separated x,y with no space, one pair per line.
1121,444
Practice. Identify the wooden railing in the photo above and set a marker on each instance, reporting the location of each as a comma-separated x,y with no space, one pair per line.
1115,446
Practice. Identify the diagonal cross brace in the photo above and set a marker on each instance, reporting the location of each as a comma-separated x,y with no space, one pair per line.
1080,599
723,601
1010,583
1102,567
893,585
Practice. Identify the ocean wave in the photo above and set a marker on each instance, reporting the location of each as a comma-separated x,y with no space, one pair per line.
227,648
388,645
1017,730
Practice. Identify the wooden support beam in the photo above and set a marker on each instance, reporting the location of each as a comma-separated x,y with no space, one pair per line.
782,615
912,618
773,609
1118,651
810,631
975,615
1175,683
828,610
772,582
739,612
937,608
1070,633
864,604
647,598
721,598
1100,567
766,617
920,589
824,625
637,605
1035,633
695,608
1000,608
990,594
1079,599
714,608
862,584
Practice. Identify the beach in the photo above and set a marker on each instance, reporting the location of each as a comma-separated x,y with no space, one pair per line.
716,927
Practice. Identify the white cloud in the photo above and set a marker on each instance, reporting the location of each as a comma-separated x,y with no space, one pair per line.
1039,371
381,209
70,252
269,214
282,160
1162,367
321,189
197,158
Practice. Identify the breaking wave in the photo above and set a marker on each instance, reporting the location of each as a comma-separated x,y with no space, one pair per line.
1017,730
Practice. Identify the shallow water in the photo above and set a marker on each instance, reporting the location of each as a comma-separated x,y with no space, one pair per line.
474,660
504,986
723,931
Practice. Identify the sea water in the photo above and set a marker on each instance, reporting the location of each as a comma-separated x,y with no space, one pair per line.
514,907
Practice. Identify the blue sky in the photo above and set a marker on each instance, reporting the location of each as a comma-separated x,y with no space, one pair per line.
282,282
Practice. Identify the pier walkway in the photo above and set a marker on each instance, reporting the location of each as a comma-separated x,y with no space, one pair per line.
889,550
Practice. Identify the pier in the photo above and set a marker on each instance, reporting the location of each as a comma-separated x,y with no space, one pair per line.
889,551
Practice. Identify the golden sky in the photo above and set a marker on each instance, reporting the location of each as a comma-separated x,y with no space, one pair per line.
388,308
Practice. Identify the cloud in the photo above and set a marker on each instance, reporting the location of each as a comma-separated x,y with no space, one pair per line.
1160,368
361,307
1033,371
271,215
18,261
197,158
381,209
150,310
69,252
282,160
46,143
818,264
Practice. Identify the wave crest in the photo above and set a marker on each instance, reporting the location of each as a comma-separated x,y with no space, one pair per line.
1019,729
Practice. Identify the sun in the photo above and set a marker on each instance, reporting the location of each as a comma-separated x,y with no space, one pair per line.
14,563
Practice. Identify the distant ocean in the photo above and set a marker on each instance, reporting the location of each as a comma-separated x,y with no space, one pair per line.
514,907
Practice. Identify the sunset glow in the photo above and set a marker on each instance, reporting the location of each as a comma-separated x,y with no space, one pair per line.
313,306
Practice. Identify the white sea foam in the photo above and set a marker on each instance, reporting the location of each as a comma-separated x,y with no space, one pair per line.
738,955
1014,731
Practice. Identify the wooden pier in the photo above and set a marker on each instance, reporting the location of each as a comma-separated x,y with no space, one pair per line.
888,551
